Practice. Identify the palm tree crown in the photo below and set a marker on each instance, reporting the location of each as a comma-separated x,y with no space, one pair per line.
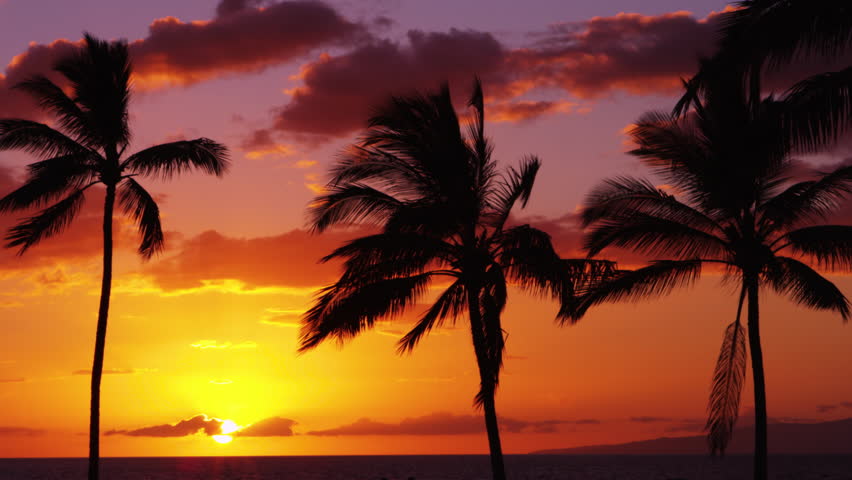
729,201
89,147
442,207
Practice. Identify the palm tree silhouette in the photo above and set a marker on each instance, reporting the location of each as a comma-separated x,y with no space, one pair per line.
96,134
442,207
732,205
759,37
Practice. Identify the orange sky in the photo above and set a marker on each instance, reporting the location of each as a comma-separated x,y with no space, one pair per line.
210,327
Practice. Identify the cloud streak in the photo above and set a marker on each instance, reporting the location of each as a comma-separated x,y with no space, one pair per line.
269,427
444,424
202,424
215,345
198,424
20,432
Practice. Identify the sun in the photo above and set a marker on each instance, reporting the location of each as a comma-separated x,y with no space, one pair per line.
228,427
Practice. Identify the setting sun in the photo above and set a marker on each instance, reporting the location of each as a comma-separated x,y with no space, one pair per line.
228,427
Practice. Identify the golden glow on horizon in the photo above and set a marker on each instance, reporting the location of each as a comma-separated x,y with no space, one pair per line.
223,439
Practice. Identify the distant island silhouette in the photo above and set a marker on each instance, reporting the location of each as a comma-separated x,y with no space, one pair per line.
823,438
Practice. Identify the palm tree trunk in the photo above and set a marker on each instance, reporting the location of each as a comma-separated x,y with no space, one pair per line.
487,386
100,338
760,440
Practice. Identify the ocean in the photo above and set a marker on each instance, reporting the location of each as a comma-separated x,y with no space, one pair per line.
434,467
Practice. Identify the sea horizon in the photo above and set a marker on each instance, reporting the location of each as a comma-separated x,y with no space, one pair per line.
432,467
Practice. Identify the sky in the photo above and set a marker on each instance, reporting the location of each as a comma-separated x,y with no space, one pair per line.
202,339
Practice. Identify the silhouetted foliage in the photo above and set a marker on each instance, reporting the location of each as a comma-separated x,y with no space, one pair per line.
87,151
442,206
759,37
729,201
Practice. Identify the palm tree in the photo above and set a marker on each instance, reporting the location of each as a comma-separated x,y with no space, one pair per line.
761,36
89,150
442,206
732,206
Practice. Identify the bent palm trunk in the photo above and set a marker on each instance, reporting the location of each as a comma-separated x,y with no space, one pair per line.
100,338
487,386
760,440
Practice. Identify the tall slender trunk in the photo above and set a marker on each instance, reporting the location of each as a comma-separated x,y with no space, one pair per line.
100,338
760,440
487,385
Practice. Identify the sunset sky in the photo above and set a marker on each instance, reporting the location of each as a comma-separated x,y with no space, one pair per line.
207,331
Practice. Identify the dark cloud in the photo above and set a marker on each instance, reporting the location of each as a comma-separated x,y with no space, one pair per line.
269,427
13,380
190,426
339,92
827,408
242,38
38,59
444,424
523,110
20,432
259,140
629,52
231,7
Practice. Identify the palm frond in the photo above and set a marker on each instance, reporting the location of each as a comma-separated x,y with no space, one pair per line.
53,99
670,146
584,275
424,131
830,245
654,236
47,223
728,379
808,200
782,30
389,255
451,304
351,203
378,168
343,311
819,109
36,138
515,185
657,279
47,180
140,205
791,277
480,145
529,260
622,196
99,77
174,158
